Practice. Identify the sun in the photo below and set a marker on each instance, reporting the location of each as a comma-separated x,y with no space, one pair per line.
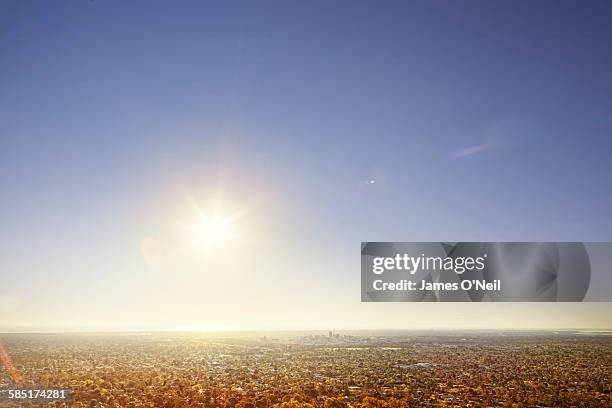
212,231
217,225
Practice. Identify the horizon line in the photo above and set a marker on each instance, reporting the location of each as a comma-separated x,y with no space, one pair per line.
4,331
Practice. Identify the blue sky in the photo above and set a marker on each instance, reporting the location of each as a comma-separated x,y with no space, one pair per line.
476,120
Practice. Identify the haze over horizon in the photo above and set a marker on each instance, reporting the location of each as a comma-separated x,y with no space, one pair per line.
217,165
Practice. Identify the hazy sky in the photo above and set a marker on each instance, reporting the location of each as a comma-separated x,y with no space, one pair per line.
475,120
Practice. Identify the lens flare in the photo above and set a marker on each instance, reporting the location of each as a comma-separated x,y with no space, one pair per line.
8,365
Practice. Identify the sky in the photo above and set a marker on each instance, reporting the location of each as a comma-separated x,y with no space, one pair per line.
294,130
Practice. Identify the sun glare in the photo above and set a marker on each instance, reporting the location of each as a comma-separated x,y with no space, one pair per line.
217,225
212,231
